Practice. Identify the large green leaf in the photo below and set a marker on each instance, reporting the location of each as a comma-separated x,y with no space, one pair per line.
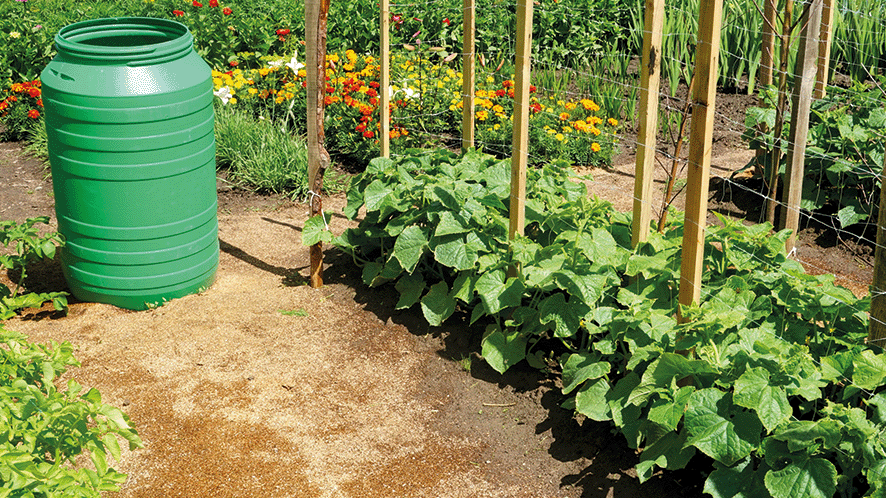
409,247
753,390
739,481
869,370
590,400
454,253
718,429
497,292
315,231
437,305
809,477
669,452
668,411
565,315
503,349
410,288
580,367
375,195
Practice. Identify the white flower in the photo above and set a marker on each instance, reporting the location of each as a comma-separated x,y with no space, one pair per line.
275,63
410,93
224,93
295,65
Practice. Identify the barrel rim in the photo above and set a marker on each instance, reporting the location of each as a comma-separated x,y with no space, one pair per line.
71,39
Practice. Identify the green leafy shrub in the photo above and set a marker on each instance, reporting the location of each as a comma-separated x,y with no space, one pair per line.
27,246
844,155
769,375
45,429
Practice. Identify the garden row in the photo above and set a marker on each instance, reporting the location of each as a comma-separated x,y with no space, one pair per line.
769,375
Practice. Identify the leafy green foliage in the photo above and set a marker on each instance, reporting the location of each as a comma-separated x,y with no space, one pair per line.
845,152
768,375
28,246
44,429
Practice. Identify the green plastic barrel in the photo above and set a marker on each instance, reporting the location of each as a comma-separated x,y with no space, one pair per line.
130,124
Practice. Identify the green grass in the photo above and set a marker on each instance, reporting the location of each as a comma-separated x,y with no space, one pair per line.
258,153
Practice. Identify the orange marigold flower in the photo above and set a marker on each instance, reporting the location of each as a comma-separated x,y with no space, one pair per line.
395,133
613,122
564,116
227,11
33,114
507,83
40,102
368,134
595,147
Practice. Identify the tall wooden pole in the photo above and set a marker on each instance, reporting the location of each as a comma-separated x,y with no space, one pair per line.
877,323
650,82
801,105
316,12
520,153
385,79
468,71
767,46
710,19
825,40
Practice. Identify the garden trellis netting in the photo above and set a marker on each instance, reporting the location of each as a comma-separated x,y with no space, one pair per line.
783,408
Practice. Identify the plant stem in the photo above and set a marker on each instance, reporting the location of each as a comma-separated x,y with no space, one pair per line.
675,162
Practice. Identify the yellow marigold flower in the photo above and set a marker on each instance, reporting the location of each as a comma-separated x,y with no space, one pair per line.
348,67
485,103
302,73
482,116
332,57
564,116
351,55
216,82
252,91
595,147
590,105
481,94
369,59
450,73
595,131
559,137
561,103
613,122
498,109
570,105
496,127
233,100
567,129
490,79
594,120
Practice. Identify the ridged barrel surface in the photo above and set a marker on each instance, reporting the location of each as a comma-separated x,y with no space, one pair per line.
130,125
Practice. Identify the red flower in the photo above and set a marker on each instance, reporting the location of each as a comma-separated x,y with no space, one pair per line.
33,114
330,89
374,84
40,102
532,88
282,32
507,83
195,3
368,134
34,92
536,107
227,11
371,92
178,13
361,127
213,3
233,63
446,22
500,92
373,101
3,105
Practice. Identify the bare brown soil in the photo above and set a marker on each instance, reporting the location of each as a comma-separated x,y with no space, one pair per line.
342,396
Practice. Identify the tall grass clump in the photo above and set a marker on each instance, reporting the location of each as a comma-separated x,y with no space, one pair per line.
258,153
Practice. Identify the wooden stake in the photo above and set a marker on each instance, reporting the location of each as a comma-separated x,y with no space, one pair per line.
316,12
385,79
801,105
469,77
877,322
650,82
825,39
767,47
520,154
710,20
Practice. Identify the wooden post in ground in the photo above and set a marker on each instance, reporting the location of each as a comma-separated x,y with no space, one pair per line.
520,148
384,107
825,40
468,72
877,322
650,82
801,105
710,19
767,47
316,12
